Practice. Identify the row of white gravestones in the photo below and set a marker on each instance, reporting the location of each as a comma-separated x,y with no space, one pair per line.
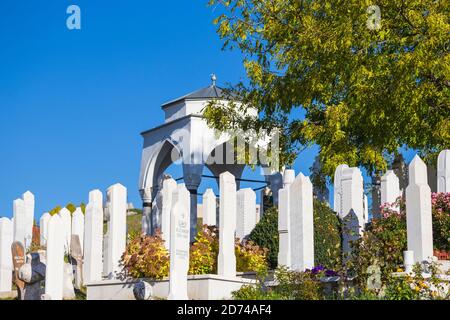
296,222
245,213
349,203
24,218
6,265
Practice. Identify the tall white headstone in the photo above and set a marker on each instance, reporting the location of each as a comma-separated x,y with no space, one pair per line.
20,221
209,208
6,266
117,231
227,226
390,188
301,228
54,274
245,217
29,201
418,212
66,221
443,172
349,203
78,225
93,242
43,228
284,252
179,251
169,187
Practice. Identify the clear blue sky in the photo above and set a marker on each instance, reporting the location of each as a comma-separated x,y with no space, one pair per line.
72,103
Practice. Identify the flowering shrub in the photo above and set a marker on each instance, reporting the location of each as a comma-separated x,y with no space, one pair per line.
146,257
441,220
204,251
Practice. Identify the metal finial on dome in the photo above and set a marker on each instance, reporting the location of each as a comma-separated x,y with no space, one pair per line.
213,79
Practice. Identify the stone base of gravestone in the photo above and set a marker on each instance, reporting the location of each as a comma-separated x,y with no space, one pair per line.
68,289
143,291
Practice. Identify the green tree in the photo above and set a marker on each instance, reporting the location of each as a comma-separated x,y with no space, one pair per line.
323,74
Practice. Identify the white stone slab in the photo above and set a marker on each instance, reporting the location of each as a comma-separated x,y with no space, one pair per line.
66,220
209,208
390,188
54,275
29,201
301,221
117,230
169,187
284,252
93,242
78,226
6,265
43,228
179,251
418,212
245,213
227,226
443,172
20,221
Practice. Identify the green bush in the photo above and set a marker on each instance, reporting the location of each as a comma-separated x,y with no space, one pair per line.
265,235
327,239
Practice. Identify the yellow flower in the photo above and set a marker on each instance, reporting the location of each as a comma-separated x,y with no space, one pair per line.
399,270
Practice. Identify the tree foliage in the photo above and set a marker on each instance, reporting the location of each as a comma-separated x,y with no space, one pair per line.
319,73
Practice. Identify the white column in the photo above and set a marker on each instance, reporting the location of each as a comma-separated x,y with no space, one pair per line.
418,212
20,221
390,188
209,208
245,213
54,274
301,228
284,252
117,231
6,265
29,201
78,226
66,220
366,209
179,249
227,226
43,228
169,187
443,172
338,188
93,242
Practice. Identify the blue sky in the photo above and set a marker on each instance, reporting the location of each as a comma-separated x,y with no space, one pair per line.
72,103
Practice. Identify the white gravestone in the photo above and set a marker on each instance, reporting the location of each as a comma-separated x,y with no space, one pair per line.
227,226
284,252
117,230
66,220
54,275
245,216
29,201
93,242
366,209
349,203
443,172
20,221
418,212
169,187
301,228
78,226
209,208
43,228
6,265
390,188
179,251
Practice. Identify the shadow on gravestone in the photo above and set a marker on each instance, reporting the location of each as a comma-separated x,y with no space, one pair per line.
18,257
350,232
76,260
33,273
